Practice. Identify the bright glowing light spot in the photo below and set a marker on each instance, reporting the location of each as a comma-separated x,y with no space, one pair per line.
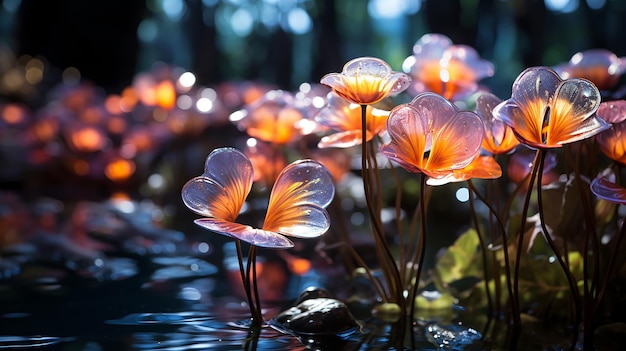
389,9
204,105
184,102
125,206
187,80
562,6
596,4
174,9
305,87
237,115
444,75
241,22
191,294
551,259
156,181
203,247
462,194
408,63
318,102
147,31
251,142
299,21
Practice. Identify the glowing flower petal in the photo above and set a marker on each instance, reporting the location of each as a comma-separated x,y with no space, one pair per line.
546,112
298,200
600,66
612,141
482,167
609,191
345,118
254,236
366,81
273,118
430,135
499,137
223,187
438,66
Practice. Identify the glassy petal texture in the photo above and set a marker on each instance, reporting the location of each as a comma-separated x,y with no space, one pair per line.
499,137
298,200
482,167
432,136
345,118
546,112
366,80
608,191
254,236
612,141
223,187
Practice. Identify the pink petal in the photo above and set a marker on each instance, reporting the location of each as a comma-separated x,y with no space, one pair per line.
223,187
608,191
253,236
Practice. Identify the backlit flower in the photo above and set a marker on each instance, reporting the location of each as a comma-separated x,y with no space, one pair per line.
366,81
345,118
609,191
498,138
481,167
273,118
296,206
612,141
431,136
438,66
521,163
600,66
547,112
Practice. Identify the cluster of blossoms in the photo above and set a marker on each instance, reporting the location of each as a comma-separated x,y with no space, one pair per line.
449,129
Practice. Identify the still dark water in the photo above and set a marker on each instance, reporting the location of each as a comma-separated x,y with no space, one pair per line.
185,303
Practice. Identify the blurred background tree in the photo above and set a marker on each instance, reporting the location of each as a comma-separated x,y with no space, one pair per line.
287,42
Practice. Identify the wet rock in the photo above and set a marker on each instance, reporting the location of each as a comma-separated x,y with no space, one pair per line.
315,314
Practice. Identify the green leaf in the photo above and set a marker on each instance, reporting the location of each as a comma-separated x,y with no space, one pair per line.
456,262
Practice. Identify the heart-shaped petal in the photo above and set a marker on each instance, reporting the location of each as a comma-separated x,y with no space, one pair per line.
572,113
457,143
223,187
300,194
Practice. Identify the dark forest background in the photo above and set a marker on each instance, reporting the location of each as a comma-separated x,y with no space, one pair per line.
110,41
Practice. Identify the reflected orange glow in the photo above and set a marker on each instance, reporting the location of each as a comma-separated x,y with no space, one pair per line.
166,95
299,266
119,169
116,125
12,114
87,139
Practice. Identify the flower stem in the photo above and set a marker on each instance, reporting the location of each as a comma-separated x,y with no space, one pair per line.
570,277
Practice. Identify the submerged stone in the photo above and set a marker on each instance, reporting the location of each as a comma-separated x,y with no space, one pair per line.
316,316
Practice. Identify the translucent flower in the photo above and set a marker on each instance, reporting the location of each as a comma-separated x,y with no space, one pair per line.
600,66
612,141
431,136
547,112
498,138
296,207
481,167
609,191
366,81
438,66
521,163
345,118
273,118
